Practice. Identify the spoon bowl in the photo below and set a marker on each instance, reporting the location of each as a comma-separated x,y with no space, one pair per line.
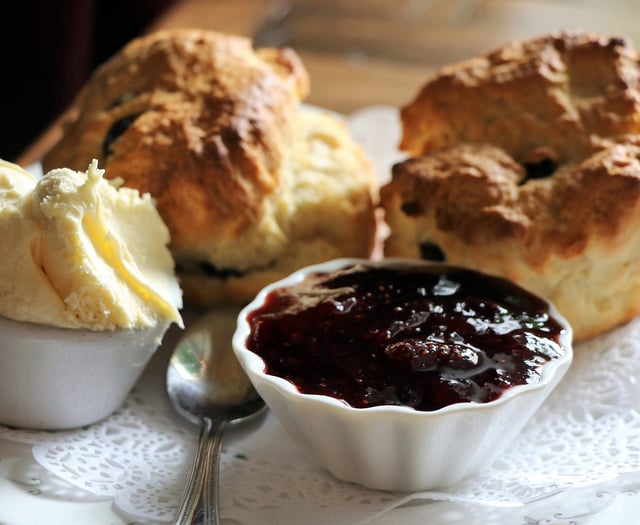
207,386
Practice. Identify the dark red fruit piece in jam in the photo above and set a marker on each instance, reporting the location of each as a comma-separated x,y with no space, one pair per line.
424,337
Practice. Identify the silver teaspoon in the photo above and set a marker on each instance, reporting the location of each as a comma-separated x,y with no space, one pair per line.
207,386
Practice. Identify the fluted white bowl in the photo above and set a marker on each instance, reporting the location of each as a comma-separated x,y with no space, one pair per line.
395,447
58,378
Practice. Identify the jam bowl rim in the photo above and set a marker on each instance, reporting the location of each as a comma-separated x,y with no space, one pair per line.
255,364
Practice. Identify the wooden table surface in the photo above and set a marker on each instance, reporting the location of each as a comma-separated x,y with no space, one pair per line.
366,52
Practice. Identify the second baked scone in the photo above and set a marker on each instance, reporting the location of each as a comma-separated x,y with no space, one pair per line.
526,164
250,185
323,208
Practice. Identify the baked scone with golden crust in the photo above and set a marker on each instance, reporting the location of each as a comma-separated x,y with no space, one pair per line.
250,184
322,208
525,163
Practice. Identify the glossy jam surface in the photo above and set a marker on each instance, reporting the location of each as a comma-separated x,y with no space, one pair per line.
420,336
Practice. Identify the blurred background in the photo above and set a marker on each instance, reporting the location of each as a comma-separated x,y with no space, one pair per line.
358,52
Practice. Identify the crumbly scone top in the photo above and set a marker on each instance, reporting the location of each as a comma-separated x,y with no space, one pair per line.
198,119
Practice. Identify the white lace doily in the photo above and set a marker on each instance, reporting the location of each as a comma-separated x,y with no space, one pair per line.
588,432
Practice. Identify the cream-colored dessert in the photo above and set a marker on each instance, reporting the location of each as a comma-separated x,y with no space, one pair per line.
79,251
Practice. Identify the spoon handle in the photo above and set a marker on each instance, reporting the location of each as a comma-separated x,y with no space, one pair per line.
201,495
211,488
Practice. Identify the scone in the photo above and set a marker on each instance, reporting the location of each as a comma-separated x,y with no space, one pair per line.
323,208
525,163
250,184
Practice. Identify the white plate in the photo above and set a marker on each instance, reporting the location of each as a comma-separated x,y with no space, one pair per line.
30,494
22,502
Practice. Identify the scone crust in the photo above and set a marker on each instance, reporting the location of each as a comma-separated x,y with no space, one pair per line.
481,195
559,90
205,121
324,208
472,191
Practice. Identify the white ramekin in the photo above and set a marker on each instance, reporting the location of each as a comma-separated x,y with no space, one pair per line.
57,378
394,447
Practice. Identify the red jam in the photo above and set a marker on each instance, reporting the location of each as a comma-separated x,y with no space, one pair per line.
420,336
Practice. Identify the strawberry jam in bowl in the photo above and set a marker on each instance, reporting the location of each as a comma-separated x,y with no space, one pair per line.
401,375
